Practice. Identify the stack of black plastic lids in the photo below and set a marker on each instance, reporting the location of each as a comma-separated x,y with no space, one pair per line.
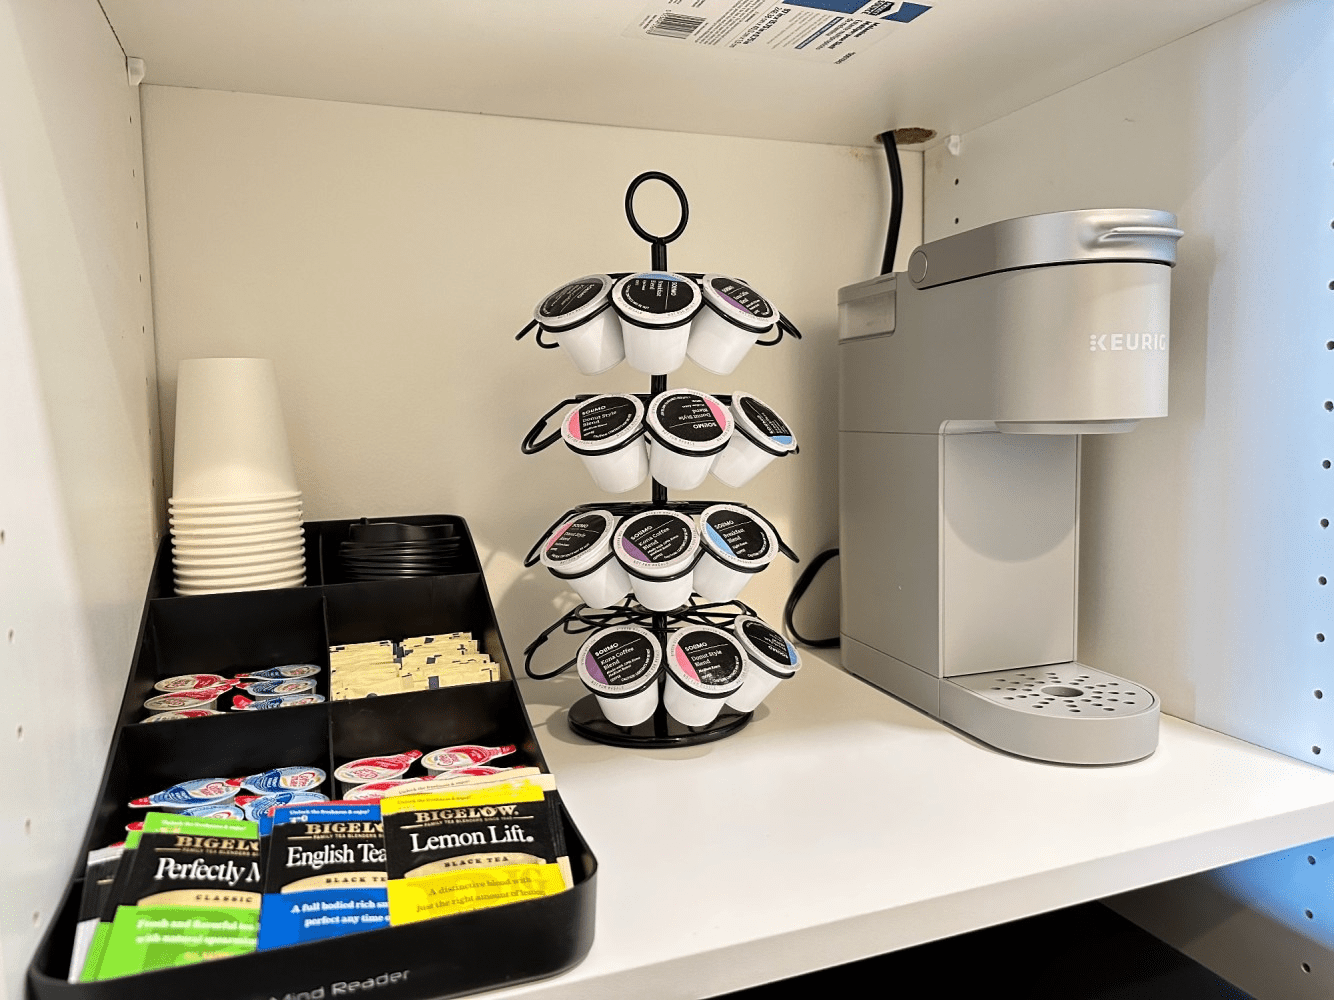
387,550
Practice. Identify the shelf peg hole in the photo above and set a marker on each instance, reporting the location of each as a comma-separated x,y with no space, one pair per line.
1322,580
1306,967
1320,637
1316,751
1309,915
27,825
36,917
1310,859
1324,465
1319,694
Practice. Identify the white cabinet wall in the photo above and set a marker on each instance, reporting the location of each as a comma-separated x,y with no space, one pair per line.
384,256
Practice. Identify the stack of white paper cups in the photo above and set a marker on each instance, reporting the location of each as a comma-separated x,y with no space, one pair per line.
235,507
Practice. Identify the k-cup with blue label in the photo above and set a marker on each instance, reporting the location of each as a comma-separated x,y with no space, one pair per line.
705,666
687,430
579,552
656,309
659,550
770,660
760,436
733,318
621,666
607,433
580,318
738,543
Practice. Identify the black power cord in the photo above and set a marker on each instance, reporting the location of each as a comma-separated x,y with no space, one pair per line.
896,199
798,591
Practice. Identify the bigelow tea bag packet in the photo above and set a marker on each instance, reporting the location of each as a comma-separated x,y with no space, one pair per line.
98,877
324,874
188,890
472,848
421,663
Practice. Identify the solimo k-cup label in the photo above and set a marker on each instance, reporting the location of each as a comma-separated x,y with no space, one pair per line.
620,658
743,296
769,642
599,419
1128,342
659,293
769,422
577,537
737,534
569,298
708,658
690,417
657,538
828,31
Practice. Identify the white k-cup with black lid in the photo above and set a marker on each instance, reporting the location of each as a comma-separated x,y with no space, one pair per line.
580,317
760,436
687,430
770,659
620,666
578,551
656,309
607,433
733,318
659,550
705,667
737,543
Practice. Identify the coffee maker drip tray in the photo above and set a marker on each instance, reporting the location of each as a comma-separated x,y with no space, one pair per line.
1064,712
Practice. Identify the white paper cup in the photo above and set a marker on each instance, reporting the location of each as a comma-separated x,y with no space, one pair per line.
241,502
770,659
284,566
655,310
761,435
738,543
687,430
230,437
705,666
579,552
606,432
733,318
658,550
620,666
579,316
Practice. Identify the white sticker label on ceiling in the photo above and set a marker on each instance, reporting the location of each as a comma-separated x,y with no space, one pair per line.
831,31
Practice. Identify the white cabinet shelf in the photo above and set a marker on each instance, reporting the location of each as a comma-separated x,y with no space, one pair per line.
843,824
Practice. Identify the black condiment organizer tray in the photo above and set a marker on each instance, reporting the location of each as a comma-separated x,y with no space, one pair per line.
445,957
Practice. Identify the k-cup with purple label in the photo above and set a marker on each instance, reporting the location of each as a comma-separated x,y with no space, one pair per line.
607,433
620,666
770,659
733,318
705,667
659,550
687,431
761,435
579,316
656,309
579,552
738,543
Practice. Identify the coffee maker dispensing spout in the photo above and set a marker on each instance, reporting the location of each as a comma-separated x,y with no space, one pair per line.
965,384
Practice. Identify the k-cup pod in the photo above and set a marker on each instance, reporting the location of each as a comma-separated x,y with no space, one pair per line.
737,544
656,309
579,316
658,549
606,432
579,552
760,436
620,666
705,666
733,318
687,430
770,659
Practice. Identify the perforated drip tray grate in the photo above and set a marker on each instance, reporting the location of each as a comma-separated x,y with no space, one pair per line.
1064,689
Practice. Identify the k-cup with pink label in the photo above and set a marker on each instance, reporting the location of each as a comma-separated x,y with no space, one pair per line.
579,552
770,659
659,550
738,543
733,318
579,316
687,431
761,435
656,309
705,667
620,666
607,433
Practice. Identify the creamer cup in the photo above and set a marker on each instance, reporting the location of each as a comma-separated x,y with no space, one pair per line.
737,544
269,688
186,794
355,773
659,550
620,666
579,552
687,430
241,703
284,779
463,756
580,316
183,713
733,318
287,672
197,698
655,310
256,806
606,432
770,659
761,435
705,666
190,682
